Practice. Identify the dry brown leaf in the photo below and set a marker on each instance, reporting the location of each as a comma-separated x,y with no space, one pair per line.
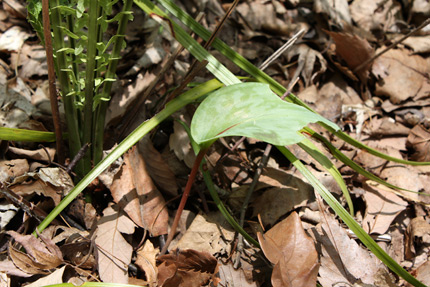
146,260
55,277
208,233
422,273
292,251
372,15
9,169
179,142
335,10
419,142
418,231
113,251
51,182
402,76
307,61
187,268
77,254
42,254
133,189
343,260
8,267
44,154
354,51
289,192
419,44
382,207
157,167
234,277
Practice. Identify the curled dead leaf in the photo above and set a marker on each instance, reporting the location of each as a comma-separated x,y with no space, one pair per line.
188,268
292,251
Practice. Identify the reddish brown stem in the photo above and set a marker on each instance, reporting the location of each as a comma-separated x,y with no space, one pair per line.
51,78
184,198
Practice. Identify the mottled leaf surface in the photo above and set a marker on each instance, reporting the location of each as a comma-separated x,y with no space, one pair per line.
251,110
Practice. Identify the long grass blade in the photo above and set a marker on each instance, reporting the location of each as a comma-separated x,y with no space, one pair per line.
22,135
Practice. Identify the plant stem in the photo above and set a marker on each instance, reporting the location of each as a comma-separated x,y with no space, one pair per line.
52,88
184,198
68,99
107,86
89,79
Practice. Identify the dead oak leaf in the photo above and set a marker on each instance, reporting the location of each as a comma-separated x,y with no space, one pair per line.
188,268
292,251
42,254
114,252
146,261
354,51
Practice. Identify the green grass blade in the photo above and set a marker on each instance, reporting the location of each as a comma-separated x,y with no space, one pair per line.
343,158
374,152
313,151
349,220
22,135
127,143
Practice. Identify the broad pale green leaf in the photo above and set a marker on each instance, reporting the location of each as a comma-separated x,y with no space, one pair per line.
251,110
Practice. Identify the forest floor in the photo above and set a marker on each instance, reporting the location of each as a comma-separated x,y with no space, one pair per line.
386,105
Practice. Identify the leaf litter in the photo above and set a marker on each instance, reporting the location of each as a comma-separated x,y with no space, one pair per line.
385,104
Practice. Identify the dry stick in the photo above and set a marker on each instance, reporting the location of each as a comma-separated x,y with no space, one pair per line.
51,78
184,198
423,24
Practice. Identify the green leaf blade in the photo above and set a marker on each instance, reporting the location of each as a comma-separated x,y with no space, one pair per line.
251,110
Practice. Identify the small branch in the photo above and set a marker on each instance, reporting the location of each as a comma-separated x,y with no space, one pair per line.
51,79
184,198
359,67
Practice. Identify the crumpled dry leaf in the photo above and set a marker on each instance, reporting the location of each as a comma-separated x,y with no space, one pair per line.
343,260
46,154
187,268
8,267
55,277
261,15
208,233
354,51
422,273
157,167
113,251
288,192
335,10
418,231
419,44
307,61
292,251
419,142
146,260
411,69
133,189
372,15
9,169
52,182
382,208
235,277
13,39
179,142
42,254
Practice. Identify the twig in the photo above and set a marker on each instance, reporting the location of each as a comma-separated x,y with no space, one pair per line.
77,158
51,80
359,67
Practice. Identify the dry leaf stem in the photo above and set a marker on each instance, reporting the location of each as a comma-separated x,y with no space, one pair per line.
52,88
184,198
